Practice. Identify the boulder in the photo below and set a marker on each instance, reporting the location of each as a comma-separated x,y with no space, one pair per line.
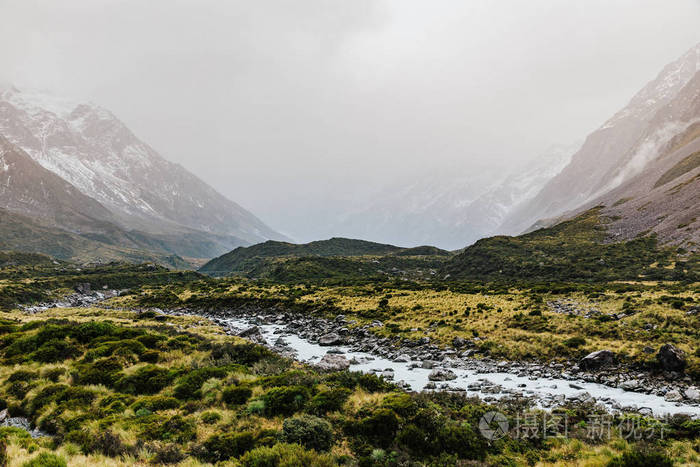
333,362
671,358
331,338
250,332
83,288
692,394
596,360
673,396
630,385
442,374
459,342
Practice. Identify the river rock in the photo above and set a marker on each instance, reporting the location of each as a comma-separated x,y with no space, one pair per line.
442,374
331,338
692,394
630,385
333,362
459,342
671,358
596,360
673,396
250,332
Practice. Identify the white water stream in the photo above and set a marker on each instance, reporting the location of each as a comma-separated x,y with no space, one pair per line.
543,389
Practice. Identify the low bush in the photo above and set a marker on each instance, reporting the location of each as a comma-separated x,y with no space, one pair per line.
236,395
148,379
189,385
46,459
329,400
309,431
224,446
285,455
155,403
285,400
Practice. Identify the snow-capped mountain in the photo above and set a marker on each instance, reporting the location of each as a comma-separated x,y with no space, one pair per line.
621,148
451,208
94,152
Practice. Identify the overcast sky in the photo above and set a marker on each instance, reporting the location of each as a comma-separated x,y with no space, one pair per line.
289,106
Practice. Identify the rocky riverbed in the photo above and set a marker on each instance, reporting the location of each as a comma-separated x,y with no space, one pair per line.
341,343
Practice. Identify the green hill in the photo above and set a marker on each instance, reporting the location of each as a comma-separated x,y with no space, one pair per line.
248,258
573,250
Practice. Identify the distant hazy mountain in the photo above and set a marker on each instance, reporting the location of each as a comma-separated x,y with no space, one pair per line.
622,148
102,172
452,208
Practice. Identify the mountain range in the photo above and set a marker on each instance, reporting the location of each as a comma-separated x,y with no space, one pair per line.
76,183
634,144
76,167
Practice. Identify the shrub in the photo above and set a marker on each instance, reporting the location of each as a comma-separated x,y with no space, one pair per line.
168,454
329,400
190,385
55,350
22,375
380,427
225,446
104,371
285,400
285,455
44,397
150,356
148,379
401,403
210,417
641,458
244,354
86,332
46,459
373,383
236,395
155,403
177,429
309,431
53,374
575,342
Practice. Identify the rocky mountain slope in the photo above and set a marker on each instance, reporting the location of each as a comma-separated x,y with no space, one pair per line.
621,148
111,175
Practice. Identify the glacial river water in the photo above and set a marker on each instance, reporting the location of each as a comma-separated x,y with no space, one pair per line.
545,390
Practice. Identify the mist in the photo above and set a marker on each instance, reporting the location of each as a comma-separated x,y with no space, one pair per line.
302,111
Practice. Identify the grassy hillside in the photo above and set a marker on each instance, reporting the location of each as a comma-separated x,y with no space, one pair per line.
574,250
248,258
21,234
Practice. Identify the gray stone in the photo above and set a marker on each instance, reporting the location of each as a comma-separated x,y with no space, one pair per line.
692,394
671,358
332,362
442,374
596,360
331,338
673,396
